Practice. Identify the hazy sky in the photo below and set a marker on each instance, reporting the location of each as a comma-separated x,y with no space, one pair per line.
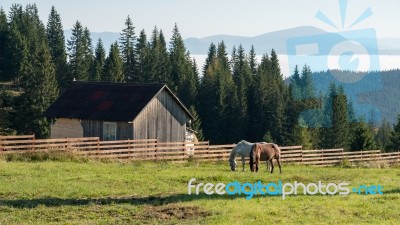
210,17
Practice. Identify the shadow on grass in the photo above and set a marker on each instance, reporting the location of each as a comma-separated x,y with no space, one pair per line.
150,200
393,191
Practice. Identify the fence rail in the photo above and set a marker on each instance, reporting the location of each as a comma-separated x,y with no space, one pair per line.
151,149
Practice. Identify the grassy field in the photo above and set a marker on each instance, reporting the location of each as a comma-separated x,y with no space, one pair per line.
52,192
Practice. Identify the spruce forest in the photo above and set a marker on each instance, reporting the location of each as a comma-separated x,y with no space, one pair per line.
232,97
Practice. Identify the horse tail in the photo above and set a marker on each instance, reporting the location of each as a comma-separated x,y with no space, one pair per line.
251,154
277,156
278,150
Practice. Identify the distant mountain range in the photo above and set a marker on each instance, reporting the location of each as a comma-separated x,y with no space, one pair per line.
107,37
308,35
277,40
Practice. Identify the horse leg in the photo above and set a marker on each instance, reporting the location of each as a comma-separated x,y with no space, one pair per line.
272,165
257,161
268,167
279,164
243,163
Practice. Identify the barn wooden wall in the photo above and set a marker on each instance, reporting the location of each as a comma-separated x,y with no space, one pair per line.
63,128
162,118
94,128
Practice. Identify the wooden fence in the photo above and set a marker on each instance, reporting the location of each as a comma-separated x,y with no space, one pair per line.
150,149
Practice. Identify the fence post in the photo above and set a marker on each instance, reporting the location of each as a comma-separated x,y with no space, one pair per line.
33,143
156,151
398,156
208,151
129,149
301,155
184,149
98,147
68,144
1,144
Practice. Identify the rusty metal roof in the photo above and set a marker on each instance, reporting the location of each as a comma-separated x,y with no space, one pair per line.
106,101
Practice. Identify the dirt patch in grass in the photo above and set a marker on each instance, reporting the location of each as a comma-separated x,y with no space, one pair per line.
172,211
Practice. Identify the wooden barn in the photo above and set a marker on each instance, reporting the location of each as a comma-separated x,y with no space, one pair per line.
119,111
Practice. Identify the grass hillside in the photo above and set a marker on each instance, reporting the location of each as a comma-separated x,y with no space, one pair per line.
72,192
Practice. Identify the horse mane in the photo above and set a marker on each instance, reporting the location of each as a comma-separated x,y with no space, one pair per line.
253,153
232,155
234,152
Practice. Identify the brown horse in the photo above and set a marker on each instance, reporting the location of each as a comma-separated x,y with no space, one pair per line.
264,152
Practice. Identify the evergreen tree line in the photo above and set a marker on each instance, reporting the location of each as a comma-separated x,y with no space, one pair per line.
329,121
236,97
36,61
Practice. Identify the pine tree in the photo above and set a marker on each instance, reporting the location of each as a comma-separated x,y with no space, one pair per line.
242,76
88,56
194,82
222,55
159,59
218,99
211,55
113,67
17,54
163,64
207,98
153,57
307,84
228,106
189,87
294,126
372,120
4,35
305,138
56,40
6,109
363,138
177,59
99,61
258,97
127,46
183,80
37,77
295,83
196,124
350,111
308,97
395,137
40,91
80,53
278,94
383,136
340,127
142,62
253,61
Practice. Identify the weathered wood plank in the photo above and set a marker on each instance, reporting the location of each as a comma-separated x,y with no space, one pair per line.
290,147
17,137
323,150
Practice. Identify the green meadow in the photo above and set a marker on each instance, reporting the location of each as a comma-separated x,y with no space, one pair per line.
92,192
